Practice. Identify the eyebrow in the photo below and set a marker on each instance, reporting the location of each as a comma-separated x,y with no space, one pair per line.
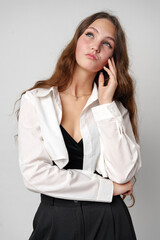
109,37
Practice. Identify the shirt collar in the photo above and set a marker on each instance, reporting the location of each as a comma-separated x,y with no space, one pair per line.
43,92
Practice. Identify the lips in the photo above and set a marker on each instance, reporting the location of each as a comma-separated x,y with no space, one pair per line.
91,56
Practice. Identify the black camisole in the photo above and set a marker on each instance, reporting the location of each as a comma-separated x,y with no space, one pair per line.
75,151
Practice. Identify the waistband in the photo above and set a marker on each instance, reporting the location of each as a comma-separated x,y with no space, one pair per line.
65,202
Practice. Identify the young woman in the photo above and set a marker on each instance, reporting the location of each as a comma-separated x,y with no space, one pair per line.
77,137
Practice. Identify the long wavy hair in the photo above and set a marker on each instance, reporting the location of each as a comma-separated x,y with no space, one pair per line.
66,64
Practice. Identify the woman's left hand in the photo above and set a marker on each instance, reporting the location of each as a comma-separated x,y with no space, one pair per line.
106,93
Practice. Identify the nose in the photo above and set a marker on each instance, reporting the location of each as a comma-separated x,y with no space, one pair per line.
96,46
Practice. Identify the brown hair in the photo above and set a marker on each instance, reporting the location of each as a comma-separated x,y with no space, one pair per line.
66,64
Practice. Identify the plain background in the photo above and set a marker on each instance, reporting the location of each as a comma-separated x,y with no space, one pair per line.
33,33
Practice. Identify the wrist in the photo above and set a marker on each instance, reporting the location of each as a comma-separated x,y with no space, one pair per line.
105,101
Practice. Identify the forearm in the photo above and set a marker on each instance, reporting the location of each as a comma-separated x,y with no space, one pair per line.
120,152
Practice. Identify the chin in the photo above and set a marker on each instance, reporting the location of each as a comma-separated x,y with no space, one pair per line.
90,67
93,69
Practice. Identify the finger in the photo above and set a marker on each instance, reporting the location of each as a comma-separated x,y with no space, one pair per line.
111,67
128,192
101,80
108,71
114,65
111,75
113,62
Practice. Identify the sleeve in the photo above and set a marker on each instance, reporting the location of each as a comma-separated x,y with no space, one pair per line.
39,173
121,153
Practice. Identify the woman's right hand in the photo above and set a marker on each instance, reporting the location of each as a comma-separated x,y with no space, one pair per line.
122,189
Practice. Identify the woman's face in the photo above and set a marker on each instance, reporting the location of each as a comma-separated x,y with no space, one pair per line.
96,45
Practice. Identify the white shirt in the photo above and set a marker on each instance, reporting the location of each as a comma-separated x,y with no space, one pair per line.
108,141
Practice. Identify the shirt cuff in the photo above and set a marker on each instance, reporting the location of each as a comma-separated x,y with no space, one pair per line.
105,193
106,111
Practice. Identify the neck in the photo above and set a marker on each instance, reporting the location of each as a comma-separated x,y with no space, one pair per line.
82,82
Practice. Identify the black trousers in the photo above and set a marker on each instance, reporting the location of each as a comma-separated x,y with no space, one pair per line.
59,219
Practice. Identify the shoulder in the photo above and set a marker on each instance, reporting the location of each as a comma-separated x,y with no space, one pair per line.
31,98
40,92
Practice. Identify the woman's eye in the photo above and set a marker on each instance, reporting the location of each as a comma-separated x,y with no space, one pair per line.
108,44
90,35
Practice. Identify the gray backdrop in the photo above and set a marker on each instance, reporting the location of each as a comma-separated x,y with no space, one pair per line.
33,33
